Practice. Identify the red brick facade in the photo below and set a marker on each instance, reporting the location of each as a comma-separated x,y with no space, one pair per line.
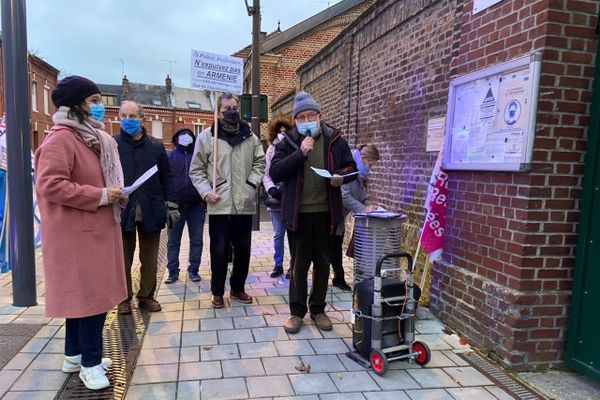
278,66
505,278
42,77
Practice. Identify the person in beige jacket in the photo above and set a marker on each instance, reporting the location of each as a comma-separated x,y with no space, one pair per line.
240,168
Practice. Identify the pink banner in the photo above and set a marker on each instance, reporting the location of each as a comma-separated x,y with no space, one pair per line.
432,237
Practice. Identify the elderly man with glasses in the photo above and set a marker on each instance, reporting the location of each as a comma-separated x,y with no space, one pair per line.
311,205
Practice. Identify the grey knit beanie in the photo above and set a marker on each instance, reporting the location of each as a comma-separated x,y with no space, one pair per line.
304,101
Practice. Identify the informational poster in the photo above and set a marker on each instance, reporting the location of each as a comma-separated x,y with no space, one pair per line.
435,134
216,72
480,5
491,117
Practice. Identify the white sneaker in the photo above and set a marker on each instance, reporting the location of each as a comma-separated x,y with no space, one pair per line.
72,364
94,377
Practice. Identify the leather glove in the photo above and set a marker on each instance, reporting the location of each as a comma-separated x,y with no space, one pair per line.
275,192
172,214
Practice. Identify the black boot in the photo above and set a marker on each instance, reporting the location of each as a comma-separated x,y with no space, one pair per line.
277,271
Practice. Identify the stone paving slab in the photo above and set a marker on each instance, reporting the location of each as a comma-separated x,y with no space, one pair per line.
192,351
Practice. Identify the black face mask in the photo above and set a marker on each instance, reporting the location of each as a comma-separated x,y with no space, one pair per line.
231,117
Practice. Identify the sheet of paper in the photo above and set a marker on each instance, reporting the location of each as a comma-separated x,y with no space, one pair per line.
127,190
325,174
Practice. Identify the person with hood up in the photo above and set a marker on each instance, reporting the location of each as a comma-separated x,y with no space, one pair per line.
240,165
192,209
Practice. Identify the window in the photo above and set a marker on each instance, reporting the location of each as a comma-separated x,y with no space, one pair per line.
198,128
156,102
46,96
109,99
34,96
157,129
193,105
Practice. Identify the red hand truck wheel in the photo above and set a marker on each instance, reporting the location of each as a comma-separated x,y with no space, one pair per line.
424,353
378,362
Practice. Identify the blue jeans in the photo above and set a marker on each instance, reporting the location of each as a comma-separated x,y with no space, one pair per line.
278,244
194,216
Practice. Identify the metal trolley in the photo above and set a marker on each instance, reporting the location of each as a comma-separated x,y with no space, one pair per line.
383,318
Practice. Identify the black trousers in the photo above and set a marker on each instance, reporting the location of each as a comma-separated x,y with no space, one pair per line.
336,245
226,231
84,336
310,243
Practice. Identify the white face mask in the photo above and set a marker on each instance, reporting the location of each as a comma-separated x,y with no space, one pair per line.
185,140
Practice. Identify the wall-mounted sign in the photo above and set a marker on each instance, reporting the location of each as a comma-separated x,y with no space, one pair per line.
435,134
480,5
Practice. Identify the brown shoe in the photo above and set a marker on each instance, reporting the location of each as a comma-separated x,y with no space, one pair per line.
217,302
124,307
241,297
292,324
149,304
323,321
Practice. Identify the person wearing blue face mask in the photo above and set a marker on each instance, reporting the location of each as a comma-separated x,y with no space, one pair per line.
97,110
356,199
152,205
191,207
311,206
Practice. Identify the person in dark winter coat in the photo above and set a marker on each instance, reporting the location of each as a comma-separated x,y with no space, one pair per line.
311,206
192,208
152,205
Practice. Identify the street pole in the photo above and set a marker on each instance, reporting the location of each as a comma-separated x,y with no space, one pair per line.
255,123
20,197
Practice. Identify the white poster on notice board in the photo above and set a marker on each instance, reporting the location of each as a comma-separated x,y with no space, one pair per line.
480,5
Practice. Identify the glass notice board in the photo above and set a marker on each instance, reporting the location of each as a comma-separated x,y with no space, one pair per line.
490,124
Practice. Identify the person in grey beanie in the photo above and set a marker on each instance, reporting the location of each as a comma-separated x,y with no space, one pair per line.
311,206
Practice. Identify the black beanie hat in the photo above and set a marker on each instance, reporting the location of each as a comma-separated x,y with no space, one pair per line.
72,90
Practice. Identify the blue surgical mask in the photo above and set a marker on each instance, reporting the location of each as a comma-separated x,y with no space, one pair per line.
97,111
364,169
131,126
305,128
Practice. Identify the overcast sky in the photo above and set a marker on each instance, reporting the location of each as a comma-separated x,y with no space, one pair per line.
89,38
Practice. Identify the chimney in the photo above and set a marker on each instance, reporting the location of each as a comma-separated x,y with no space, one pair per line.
169,88
169,85
125,93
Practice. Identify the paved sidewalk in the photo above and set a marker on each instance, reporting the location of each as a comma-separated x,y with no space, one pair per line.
191,351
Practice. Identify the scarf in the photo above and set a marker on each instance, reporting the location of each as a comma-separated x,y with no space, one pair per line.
102,144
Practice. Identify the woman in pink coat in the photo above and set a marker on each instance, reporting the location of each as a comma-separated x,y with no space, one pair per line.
79,184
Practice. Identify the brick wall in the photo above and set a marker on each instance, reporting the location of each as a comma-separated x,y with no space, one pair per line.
380,82
512,236
45,76
278,67
505,278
